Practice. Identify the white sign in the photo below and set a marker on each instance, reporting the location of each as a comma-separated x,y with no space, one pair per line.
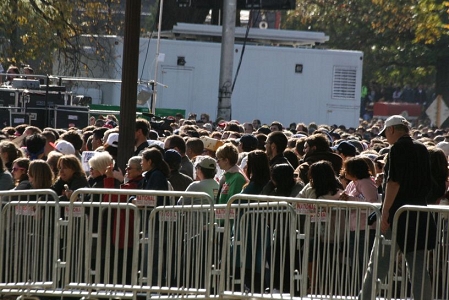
220,214
168,216
316,215
85,159
305,208
25,210
77,211
438,111
146,200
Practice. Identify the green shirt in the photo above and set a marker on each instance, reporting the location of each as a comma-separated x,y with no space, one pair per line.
233,184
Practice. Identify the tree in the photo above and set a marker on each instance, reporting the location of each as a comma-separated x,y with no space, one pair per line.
37,32
403,40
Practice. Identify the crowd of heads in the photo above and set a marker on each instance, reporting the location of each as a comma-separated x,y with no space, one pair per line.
308,151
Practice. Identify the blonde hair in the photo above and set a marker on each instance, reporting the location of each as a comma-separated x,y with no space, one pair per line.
100,161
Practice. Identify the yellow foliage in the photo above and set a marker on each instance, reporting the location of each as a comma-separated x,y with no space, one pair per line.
22,20
24,38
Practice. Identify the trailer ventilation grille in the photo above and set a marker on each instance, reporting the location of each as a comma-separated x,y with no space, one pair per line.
344,82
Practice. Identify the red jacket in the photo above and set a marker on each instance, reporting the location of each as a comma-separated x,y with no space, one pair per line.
120,219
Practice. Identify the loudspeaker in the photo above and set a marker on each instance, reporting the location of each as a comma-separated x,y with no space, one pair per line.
18,119
40,99
71,116
8,97
5,119
12,118
37,116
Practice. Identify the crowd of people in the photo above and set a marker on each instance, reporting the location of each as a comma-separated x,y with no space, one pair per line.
225,158
421,94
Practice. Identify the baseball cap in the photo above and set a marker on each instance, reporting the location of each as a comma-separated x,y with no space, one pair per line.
112,140
345,148
394,120
357,144
65,147
172,156
248,141
206,162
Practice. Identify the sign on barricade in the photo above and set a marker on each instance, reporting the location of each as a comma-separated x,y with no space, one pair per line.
146,200
220,213
25,210
77,211
316,214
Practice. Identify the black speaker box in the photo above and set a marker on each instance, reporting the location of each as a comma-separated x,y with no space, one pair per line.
71,116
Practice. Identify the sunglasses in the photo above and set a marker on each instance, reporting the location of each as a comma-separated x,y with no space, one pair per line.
17,169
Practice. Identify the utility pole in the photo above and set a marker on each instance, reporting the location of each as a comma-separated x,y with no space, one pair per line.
128,96
227,60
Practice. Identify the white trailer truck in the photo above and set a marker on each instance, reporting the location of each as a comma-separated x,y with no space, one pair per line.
281,77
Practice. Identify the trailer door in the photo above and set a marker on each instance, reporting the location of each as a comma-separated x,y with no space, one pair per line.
342,114
178,94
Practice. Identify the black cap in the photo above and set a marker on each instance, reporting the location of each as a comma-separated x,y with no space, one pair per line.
346,148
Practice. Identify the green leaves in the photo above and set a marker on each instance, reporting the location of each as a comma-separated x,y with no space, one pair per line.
400,38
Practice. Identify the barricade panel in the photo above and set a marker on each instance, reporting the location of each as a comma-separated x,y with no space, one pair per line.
119,243
295,247
104,245
28,235
421,267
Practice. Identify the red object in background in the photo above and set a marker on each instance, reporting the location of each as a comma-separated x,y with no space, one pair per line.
386,109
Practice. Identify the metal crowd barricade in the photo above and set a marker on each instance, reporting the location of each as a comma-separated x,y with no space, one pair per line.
295,247
125,243
29,240
435,255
